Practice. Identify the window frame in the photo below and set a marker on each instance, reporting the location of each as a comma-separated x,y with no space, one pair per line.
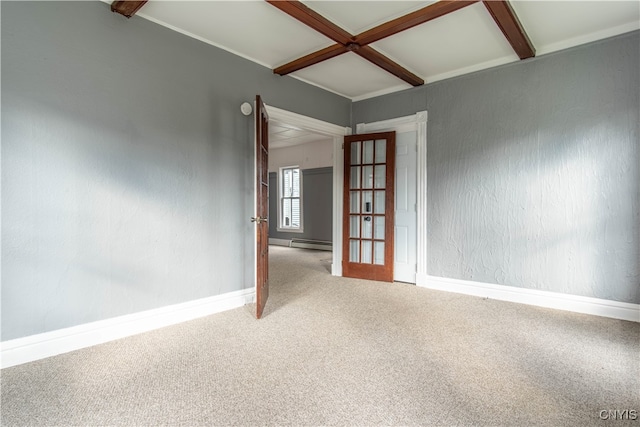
281,197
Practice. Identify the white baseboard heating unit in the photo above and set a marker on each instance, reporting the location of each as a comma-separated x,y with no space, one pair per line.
311,244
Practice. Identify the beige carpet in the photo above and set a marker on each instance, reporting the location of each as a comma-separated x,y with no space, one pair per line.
333,351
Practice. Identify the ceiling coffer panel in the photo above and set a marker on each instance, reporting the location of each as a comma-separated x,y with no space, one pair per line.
360,43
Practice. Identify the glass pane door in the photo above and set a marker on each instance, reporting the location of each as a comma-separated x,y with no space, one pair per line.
368,187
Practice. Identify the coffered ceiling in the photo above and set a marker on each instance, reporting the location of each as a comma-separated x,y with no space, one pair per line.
462,41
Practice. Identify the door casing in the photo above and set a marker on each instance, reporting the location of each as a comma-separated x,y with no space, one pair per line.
417,122
336,133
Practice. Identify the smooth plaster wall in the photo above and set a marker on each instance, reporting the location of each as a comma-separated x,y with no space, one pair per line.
318,154
317,205
127,167
534,171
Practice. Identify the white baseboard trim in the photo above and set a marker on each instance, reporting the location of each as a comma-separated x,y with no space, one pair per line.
575,303
279,242
35,347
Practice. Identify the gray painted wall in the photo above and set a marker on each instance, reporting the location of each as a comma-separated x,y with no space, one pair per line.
534,171
126,164
317,205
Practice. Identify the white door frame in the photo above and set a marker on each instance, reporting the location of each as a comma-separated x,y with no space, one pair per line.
337,133
416,122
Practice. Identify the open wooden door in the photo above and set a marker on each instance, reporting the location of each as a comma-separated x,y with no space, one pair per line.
369,194
262,206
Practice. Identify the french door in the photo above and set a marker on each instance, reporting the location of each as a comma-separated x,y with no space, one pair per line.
368,219
262,206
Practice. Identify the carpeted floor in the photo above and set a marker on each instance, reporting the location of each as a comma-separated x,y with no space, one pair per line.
335,351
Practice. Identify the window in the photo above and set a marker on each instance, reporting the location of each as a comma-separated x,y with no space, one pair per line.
290,196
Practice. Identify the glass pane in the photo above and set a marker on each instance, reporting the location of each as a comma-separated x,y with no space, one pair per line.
366,251
355,153
381,151
378,253
355,177
379,205
367,202
367,156
295,184
286,183
354,226
354,250
354,205
286,212
367,227
378,227
380,177
295,213
367,177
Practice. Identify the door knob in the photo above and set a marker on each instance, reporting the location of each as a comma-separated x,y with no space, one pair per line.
259,219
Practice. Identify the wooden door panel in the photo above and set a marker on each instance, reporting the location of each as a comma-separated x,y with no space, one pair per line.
262,207
368,219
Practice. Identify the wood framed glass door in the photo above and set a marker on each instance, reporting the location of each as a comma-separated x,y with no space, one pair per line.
262,207
368,219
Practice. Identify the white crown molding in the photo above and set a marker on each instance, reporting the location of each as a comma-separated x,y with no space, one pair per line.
47,344
588,38
472,69
385,91
547,299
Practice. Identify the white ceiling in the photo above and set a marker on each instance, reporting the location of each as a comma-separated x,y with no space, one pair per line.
461,42
283,135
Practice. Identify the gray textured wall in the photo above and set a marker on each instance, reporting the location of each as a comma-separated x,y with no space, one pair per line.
126,164
534,171
317,204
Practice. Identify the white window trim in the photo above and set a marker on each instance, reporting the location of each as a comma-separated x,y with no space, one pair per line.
280,227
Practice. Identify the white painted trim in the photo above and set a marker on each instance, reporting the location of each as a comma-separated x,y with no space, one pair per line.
279,242
35,347
385,91
588,38
416,122
473,68
399,124
338,182
567,302
421,195
305,122
312,83
337,133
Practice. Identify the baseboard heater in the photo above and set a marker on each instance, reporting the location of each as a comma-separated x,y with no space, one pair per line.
311,244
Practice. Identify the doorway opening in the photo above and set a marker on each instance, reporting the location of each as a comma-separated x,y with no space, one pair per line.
305,175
